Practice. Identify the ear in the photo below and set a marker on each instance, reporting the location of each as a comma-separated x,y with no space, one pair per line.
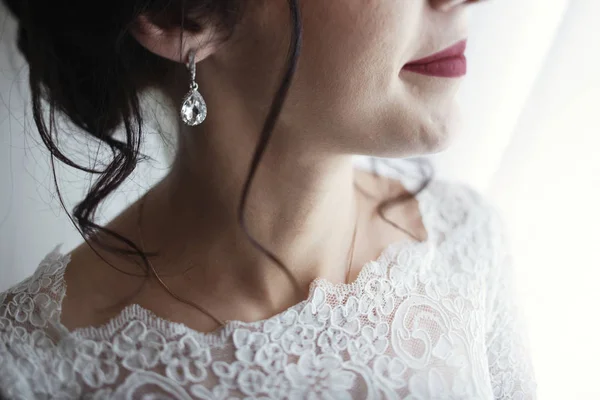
171,44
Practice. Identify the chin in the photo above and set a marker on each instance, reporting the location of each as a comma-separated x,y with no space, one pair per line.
432,134
439,139
441,130
428,122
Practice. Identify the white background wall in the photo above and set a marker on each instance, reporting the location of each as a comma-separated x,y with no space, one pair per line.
548,183
530,141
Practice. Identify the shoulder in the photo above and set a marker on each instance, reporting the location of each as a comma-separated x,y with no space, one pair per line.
483,229
50,268
29,324
34,302
469,225
451,207
451,199
454,193
458,206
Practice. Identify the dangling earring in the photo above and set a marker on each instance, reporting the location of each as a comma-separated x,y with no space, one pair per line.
193,109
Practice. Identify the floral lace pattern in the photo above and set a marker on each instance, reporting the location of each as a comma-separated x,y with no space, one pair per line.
430,320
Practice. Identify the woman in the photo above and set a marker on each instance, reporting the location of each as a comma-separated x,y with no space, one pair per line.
265,264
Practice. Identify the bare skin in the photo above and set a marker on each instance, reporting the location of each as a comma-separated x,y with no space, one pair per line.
349,96
96,292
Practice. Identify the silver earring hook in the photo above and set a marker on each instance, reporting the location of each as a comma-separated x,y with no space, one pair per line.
192,69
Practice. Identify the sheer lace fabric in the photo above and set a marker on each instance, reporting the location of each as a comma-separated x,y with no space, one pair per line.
431,320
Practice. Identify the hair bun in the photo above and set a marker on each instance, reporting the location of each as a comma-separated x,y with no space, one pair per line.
14,6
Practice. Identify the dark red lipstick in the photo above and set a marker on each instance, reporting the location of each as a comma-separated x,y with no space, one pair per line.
448,63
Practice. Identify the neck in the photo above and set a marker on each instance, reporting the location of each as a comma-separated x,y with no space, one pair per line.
301,207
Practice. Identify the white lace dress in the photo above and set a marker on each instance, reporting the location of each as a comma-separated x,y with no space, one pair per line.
431,320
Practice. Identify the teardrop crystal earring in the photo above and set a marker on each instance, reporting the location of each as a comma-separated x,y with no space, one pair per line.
193,109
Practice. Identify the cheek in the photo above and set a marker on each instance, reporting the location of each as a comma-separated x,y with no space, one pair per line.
348,82
356,38
353,49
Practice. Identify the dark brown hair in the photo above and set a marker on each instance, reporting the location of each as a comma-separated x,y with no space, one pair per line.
85,65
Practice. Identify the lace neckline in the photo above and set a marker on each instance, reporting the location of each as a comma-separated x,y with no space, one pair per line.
218,336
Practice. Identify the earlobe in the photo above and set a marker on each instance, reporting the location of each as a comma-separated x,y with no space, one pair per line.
170,43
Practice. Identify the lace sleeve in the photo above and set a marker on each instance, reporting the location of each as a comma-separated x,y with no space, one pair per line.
510,367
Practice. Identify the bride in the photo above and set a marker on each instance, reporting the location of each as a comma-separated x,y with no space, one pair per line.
266,264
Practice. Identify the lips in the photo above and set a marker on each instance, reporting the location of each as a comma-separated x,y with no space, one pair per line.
448,63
